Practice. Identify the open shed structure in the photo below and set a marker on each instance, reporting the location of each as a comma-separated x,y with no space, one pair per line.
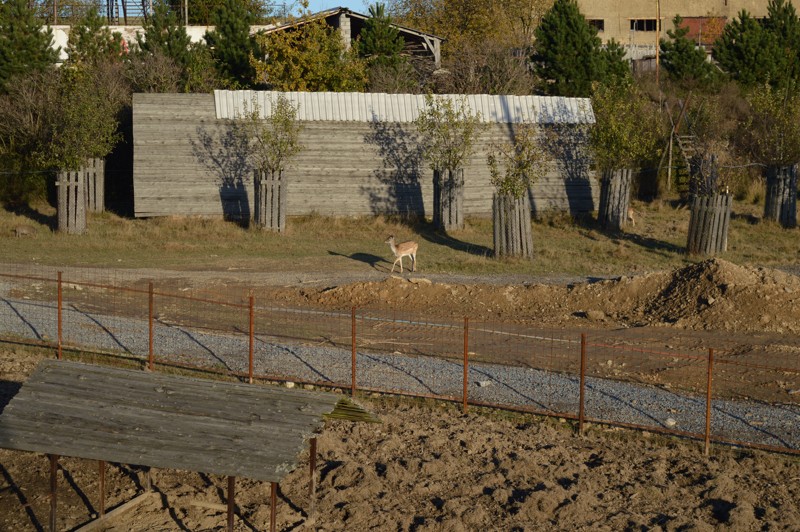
360,157
165,421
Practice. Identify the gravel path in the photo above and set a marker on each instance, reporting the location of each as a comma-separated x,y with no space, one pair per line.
774,425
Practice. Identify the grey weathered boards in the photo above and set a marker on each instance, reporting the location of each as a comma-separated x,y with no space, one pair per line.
150,419
186,162
709,220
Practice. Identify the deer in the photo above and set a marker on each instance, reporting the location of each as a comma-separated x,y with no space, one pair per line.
404,249
631,219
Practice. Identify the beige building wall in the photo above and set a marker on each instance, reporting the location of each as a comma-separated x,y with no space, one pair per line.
632,22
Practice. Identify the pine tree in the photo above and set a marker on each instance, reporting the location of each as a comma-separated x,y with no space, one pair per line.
163,32
613,67
231,44
23,46
748,52
683,60
567,53
91,41
784,25
380,43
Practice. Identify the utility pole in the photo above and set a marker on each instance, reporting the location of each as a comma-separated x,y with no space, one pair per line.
658,37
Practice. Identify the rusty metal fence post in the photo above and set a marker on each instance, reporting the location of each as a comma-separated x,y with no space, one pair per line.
707,446
312,485
581,403
466,363
273,499
150,298
53,489
252,336
353,354
102,487
60,307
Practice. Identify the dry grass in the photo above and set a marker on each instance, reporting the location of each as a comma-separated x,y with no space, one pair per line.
563,245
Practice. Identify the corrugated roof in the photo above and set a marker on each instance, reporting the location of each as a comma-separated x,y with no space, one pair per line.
377,107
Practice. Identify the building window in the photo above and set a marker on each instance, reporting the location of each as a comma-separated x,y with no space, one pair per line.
597,23
643,24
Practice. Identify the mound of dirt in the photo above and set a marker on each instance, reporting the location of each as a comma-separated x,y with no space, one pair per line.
713,295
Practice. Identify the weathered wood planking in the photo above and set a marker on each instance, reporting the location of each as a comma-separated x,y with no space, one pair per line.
185,164
137,417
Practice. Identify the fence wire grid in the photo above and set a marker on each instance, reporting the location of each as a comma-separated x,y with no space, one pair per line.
742,391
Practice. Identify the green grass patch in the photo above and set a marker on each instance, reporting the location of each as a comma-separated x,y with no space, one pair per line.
563,245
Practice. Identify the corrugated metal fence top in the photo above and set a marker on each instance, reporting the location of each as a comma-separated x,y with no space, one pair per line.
376,107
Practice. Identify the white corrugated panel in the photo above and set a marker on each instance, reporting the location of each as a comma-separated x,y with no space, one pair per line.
374,107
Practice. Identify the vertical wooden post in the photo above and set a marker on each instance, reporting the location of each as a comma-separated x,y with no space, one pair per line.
60,315
231,503
312,486
273,505
707,446
581,407
466,363
53,487
150,355
102,488
252,335
353,355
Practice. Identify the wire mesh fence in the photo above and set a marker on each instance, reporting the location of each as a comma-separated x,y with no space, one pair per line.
660,380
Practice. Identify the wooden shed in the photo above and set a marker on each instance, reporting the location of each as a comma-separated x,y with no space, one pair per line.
360,156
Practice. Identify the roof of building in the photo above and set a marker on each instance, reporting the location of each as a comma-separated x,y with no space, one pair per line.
157,420
378,107
343,10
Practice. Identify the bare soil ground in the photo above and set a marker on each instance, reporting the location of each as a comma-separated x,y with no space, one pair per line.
430,467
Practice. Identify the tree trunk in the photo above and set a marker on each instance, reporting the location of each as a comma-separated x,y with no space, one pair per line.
270,200
708,224
448,199
512,226
94,173
615,197
780,203
72,202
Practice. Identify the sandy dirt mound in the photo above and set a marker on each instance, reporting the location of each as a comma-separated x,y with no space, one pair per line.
710,295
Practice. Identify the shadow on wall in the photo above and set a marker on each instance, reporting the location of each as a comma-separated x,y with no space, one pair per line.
568,144
223,152
398,190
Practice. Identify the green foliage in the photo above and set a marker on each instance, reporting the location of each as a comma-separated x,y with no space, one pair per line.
783,23
57,120
163,33
627,127
771,133
273,141
86,126
567,54
308,57
752,53
90,41
23,46
613,67
683,60
203,12
380,43
200,73
231,44
523,160
153,73
447,129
